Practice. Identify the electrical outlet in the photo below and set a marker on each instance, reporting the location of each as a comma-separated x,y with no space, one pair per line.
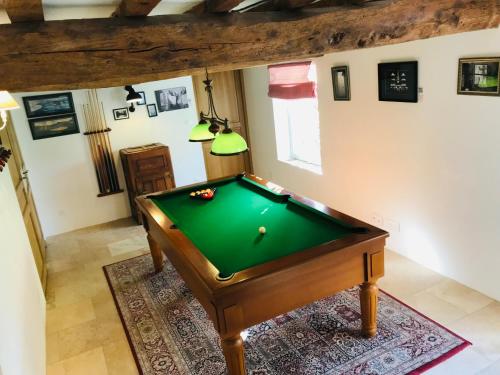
377,219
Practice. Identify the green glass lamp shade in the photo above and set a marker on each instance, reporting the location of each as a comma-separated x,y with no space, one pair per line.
228,143
200,132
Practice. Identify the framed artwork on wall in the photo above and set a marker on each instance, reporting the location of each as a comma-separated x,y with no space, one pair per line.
143,96
53,126
341,84
49,105
172,99
479,76
120,113
398,82
152,112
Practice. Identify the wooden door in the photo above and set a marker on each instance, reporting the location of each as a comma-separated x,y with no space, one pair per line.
20,179
229,102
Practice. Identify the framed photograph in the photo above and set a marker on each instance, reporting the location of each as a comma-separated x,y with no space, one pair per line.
152,112
341,85
398,82
55,126
479,76
49,105
120,113
172,99
143,96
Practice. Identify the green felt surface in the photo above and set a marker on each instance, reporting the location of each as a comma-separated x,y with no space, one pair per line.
225,229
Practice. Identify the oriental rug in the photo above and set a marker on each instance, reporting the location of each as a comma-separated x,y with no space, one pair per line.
170,333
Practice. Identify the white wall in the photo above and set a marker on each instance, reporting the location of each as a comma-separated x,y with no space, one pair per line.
432,167
22,311
61,172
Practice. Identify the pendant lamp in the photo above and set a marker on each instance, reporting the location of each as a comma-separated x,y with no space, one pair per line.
226,142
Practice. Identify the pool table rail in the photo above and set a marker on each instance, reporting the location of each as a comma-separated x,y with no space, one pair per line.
153,215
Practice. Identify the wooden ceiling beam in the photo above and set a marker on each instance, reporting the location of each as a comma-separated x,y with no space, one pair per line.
270,5
214,6
24,10
117,51
135,8
331,3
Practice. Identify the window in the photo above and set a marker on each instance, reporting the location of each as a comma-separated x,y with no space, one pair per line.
297,129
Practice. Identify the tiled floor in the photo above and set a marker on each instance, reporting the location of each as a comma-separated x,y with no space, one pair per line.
85,335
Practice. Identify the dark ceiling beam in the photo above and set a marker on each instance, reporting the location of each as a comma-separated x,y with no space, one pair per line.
127,50
214,6
135,8
330,3
270,5
24,10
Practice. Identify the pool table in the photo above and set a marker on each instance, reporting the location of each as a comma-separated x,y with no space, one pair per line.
243,277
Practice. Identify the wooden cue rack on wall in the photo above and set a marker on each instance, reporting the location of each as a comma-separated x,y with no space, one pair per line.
96,130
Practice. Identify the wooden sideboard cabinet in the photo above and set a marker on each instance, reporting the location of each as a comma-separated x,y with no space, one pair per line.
147,169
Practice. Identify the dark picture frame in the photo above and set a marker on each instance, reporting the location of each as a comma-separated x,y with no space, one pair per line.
398,82
479,76
341,83
172,99
143,96
120,114
152,111
53,126
49,105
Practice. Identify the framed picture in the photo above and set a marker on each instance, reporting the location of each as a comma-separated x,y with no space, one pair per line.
341,85
152,112
49,105
172,99
143,96
120,113
398,82
479,76
55,126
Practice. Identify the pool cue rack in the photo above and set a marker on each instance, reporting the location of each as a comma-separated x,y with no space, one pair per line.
97,133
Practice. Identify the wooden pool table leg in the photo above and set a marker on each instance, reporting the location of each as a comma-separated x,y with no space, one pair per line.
368,300
232,346
156,253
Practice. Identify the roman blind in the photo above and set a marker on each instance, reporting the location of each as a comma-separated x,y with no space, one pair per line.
291,81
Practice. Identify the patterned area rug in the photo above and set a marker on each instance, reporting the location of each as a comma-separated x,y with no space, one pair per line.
170,333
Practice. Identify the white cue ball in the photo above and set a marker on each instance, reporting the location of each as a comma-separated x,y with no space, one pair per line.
262,230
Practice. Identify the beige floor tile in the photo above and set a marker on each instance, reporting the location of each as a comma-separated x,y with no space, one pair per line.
482,328
127,245
86,283
64,278
119,358
404,278
459,295
435,308
79,339
493,369
467,362
52,349
68,316
56,369
59,265
110,325
88,363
